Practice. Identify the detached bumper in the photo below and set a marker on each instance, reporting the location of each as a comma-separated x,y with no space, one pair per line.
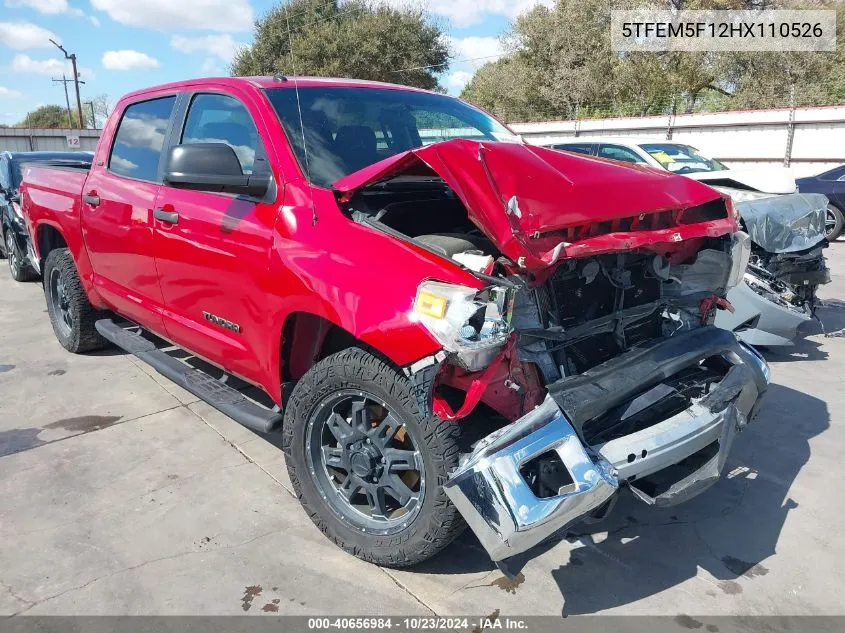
665,463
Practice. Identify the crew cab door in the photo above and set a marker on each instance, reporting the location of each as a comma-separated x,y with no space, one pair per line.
212,249
117,209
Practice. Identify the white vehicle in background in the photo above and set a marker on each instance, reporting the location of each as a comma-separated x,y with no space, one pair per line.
787,231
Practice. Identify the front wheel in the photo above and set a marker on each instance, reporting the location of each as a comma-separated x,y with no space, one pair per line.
367,466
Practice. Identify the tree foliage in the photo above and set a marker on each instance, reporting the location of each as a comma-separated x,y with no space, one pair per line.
559,64
56,116
48,116
354,39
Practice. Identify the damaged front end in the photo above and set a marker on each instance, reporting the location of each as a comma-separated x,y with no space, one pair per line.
786,267
587,342
596,432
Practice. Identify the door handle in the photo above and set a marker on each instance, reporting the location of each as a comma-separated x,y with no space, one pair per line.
171,217
91,199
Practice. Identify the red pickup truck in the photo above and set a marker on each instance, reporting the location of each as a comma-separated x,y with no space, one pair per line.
455,327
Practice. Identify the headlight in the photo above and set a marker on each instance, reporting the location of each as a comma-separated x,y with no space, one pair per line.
740,253
471,324
16,208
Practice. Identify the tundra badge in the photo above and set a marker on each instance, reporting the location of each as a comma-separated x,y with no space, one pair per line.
221,322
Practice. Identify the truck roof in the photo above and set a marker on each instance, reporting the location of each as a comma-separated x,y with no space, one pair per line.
279,81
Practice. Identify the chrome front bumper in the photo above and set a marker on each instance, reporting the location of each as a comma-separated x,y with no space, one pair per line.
506,516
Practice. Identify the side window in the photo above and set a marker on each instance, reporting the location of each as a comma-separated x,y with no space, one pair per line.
140,139
578,148
4,174
617,152
214,118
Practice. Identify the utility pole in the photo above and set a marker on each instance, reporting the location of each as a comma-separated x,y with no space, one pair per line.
64,81
72,58
93,118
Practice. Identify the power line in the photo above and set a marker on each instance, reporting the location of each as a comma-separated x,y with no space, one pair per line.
453,61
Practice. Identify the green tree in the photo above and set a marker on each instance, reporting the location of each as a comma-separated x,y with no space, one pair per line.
560,65
48,116
355,39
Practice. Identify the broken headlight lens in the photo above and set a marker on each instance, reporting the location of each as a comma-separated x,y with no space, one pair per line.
740,253
471,324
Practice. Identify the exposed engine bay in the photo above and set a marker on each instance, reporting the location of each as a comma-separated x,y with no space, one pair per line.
564,321
788,278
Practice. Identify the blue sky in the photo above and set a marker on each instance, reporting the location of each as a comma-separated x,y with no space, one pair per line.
123,45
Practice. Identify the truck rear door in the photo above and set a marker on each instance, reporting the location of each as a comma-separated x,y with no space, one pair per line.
212,249
117,211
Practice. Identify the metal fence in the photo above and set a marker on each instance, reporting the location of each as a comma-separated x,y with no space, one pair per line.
809,140
17,139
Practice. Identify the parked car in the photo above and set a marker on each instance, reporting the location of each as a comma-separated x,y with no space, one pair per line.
14,241
832,184
473,330
683,159
787,229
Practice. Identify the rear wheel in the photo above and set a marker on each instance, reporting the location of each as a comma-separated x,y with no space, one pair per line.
366,465
71,314
18,266
834,222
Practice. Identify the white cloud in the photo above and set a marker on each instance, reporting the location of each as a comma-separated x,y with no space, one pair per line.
22,35
129,60
474,47
211,66
169,15
47,7
94,20
464,13
221,46
456,81
47,67
8,93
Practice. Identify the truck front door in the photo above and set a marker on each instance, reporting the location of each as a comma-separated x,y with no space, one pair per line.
212,249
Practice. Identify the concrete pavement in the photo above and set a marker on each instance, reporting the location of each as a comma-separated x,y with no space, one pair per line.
122,494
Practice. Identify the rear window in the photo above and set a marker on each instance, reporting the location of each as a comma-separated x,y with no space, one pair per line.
140,139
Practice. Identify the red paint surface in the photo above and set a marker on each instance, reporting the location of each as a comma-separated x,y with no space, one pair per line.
259,264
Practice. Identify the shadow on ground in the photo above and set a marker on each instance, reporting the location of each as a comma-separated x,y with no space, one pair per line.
729,531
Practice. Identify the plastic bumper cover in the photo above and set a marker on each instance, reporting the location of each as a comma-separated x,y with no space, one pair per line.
498,504
773,324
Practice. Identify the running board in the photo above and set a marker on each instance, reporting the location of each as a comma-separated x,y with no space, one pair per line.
229,401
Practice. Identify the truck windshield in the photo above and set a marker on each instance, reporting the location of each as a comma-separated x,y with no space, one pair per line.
681,159
347,129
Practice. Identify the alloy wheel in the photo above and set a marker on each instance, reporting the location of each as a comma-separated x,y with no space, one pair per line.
365,463
12,252
61,302
829,222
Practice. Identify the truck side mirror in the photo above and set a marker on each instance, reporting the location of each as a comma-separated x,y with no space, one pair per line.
211,167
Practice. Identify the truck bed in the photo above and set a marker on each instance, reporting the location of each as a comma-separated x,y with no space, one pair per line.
53,194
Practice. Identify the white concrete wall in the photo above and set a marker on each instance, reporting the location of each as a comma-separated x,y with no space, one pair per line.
15,139
743,138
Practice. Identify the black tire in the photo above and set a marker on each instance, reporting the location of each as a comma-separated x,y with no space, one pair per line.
79,334
436,522
18,265
834,222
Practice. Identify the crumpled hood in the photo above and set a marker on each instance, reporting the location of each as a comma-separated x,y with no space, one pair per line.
763,179
519,195
785,224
